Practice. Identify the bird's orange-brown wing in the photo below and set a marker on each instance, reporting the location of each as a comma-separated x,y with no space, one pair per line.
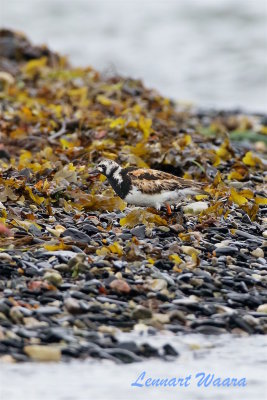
153,181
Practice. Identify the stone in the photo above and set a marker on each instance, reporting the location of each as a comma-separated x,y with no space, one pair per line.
120,286
162,275
262,308
53,277
43,353
31,322
164,264
141,312
163,228
111,330
90,229
157,285
170,350
16,315
226,250
258,253
47,310
195,208
177,228
6,256
210,330
248,236
161,318
130,346
4,308
187,301
7,359
3,317
72,306
123,355
78,259
148,351
76,235
2,336
223,243
139,231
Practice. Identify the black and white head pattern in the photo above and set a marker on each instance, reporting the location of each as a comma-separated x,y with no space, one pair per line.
110,168
116,175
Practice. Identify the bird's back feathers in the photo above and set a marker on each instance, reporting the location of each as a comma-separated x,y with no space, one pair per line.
152,181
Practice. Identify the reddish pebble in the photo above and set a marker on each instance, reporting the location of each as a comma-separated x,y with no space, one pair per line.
4,230
119,285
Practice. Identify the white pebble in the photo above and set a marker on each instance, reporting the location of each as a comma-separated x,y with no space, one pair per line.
258,253
262,308
195,208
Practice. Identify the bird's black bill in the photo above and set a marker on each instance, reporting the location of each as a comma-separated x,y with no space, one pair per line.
95,172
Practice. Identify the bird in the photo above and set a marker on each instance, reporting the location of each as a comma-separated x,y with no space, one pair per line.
148,187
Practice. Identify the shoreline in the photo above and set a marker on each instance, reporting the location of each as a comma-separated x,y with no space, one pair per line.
85,377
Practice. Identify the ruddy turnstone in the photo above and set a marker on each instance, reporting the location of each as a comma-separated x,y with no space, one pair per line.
148,187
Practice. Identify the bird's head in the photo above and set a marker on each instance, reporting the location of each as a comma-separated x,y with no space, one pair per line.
107,167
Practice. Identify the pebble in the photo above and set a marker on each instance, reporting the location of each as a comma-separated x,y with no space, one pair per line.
141,313
164,228
186,301
123,355
120,286
210,330
195,208
160,318
206,299
72,306
76,235
53,277
223,243
170,350
7,359
139,231
262,308
226,250
90,229
177,228
47,310
131,346
258,253
16,315
248,236
43,353
157,285
163,264
5,257
31,322
162,275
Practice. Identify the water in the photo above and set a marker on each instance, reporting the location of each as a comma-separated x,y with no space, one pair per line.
211,52
225,356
